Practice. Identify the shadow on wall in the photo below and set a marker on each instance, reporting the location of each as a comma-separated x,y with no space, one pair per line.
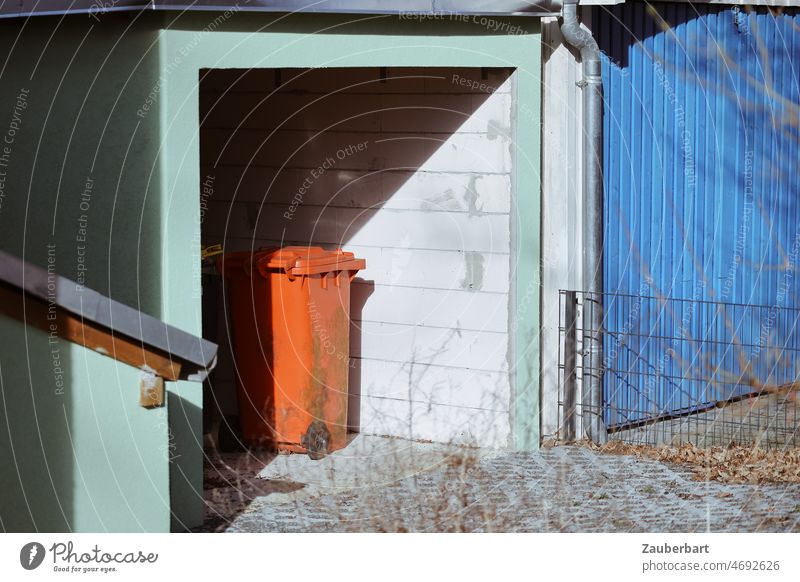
358,24
186,510
363,290
79,198
294,155
38,477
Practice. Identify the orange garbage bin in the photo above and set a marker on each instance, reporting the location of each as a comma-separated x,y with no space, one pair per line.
290,316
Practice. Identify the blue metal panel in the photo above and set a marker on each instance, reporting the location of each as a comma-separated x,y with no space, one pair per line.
702,192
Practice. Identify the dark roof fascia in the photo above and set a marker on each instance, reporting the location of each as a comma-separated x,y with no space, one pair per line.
23,8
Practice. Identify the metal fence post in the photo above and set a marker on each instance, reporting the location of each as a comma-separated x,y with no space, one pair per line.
570,365
592,379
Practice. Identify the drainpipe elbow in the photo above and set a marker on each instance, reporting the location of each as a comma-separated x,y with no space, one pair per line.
581,39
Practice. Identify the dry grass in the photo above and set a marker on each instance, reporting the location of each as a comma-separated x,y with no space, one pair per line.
732,464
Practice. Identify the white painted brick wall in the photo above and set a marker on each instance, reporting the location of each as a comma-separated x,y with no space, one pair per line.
427,203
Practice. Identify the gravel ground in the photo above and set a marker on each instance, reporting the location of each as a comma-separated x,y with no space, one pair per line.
433,488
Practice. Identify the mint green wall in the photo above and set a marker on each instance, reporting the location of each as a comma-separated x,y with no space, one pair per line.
80,456
250,40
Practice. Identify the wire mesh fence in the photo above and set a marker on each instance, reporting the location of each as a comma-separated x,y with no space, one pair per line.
679,370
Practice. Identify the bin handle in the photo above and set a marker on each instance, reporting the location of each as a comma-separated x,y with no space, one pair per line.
286,270
261,269
247,267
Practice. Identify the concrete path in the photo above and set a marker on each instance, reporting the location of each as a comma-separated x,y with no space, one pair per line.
381,484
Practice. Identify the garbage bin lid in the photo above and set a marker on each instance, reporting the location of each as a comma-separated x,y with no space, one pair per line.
308,260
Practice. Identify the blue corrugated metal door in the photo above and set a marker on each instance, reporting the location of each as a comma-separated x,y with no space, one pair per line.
702,183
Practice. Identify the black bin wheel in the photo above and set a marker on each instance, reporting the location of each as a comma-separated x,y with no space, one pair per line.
316,440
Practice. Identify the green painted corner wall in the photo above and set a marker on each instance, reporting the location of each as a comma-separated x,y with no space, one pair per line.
80,191
194,41
78,454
